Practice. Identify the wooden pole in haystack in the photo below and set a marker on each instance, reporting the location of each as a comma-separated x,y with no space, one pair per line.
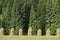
20,32
39,32
1,31
12,32
58,32
30,31
48,32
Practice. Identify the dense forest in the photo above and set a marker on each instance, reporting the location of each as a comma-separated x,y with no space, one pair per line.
38,14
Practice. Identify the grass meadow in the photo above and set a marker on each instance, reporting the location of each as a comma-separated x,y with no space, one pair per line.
29,38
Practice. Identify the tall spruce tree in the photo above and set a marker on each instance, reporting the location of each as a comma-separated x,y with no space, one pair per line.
42,15
51,16
54,17
20,15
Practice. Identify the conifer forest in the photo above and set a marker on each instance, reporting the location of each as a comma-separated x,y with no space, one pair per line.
38,14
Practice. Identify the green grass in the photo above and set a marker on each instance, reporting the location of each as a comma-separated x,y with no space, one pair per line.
29,38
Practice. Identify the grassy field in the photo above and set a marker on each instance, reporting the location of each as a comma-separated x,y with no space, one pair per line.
29,38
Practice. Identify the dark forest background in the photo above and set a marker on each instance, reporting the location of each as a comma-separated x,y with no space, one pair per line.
38,14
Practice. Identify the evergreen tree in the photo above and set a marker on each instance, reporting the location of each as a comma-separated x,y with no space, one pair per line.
51,16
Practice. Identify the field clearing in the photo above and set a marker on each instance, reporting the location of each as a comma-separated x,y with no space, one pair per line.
29,38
